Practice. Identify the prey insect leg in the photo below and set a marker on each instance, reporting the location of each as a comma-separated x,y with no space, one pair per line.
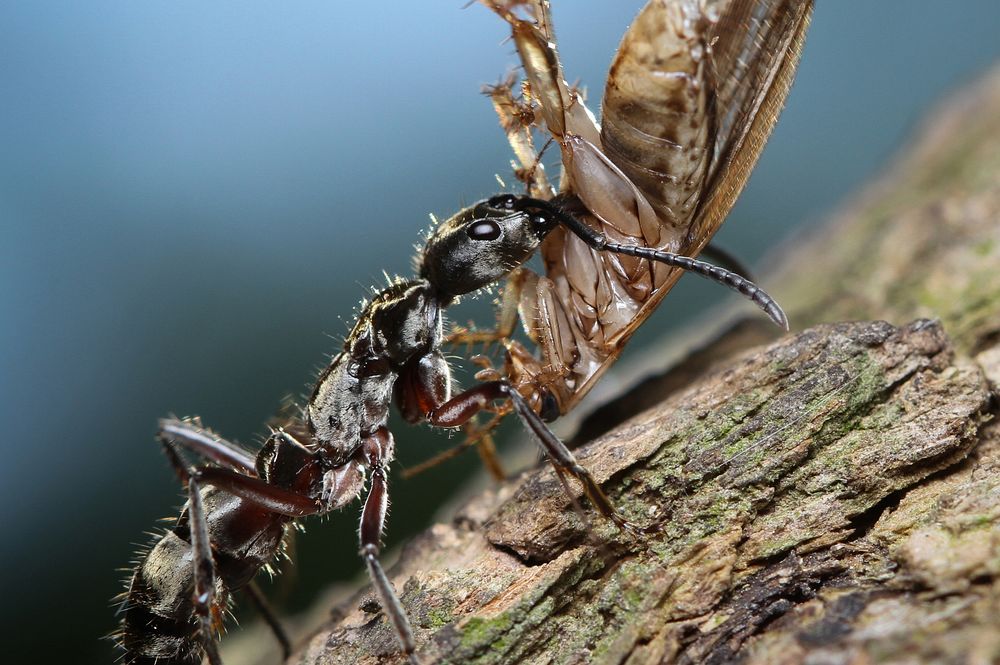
506,322
480,436
378,451
460,408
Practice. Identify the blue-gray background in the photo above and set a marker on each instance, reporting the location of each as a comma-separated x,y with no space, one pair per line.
193,196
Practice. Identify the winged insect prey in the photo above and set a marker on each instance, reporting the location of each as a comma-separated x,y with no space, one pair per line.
692,95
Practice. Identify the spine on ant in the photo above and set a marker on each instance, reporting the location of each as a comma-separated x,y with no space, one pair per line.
159,624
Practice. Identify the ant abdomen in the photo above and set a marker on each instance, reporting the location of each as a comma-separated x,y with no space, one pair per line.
160,623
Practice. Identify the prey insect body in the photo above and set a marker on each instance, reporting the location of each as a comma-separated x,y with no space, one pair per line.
239,506
691,97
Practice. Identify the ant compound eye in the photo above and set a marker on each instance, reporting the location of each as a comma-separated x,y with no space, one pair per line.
483,229
502,201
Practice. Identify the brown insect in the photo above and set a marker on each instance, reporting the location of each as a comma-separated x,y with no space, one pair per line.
693,93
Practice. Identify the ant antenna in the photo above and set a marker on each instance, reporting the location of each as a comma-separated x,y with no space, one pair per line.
722,276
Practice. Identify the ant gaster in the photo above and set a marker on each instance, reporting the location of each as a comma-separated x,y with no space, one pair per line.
238,506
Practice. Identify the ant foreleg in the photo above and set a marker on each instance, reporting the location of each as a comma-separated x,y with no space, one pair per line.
460,408
426,384
562,458
209,615
378,451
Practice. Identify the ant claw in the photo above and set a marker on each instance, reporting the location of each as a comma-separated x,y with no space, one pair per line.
632,529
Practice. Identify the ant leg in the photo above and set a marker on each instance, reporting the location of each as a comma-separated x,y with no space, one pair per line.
460,408
253,592
208,613
201,441
422,387
378,448
270,497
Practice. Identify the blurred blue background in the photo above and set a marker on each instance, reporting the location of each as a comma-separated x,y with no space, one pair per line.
194,196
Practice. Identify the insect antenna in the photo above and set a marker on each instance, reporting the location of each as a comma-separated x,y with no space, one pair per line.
727,260
722,276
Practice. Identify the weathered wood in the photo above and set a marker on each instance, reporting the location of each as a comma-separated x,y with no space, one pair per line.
765,474
832,497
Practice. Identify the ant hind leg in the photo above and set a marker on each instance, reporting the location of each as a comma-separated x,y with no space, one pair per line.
263,608
205,604
191,436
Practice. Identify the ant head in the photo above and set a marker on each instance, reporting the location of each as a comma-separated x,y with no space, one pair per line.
483,243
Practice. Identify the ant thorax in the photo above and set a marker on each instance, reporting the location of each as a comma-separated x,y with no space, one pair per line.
352,396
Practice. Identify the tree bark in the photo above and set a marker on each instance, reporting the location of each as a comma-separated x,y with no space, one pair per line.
830,497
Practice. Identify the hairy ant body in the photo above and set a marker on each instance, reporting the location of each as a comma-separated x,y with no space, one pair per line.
238,506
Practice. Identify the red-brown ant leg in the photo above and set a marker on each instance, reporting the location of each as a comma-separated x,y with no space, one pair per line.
273,498
204,443
252,489
259,601
423,386
175,433
378,450
205,607
460,408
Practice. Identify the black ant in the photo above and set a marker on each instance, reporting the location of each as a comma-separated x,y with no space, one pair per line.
238,506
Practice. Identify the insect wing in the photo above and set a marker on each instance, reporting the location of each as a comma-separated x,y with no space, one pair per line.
757,46
691,98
